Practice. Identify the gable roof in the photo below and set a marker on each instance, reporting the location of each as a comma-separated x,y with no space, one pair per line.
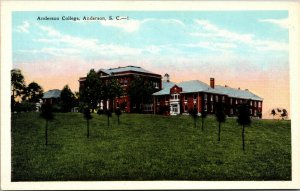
55,93
166,86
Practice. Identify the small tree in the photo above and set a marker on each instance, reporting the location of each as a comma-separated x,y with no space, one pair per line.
48,116
118,112
273,112
108,114
220,115
203,116
194,114
87,115
67,99
244,119
284,114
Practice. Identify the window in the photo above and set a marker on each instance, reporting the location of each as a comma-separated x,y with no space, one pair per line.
250,103
250,111
255,112
185,107
212,108
217,98
255,104
195,96
174,96
259,104
148,107
205,96
155,85
125,82
205,106
236,101
185,97
223,99
211,98
230,101
231,111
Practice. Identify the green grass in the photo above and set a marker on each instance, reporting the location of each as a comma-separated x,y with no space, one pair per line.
147,147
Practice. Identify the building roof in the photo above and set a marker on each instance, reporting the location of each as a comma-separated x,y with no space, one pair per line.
198,86
238,93
166,86
55,93
125,69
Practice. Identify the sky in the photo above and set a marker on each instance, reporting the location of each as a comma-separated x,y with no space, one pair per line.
246,49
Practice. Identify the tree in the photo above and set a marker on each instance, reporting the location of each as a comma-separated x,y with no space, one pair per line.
17,83
203,116
33,92
140,92
194,114
48,116
244,119
220,115
273,112
92,92
108,114
112,89
118,112
67,99
87,115
284,114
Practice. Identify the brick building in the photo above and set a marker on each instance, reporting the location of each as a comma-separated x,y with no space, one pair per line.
183,96
125,75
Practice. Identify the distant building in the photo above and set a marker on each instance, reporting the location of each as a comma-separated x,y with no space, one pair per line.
125,75
52,96
183,96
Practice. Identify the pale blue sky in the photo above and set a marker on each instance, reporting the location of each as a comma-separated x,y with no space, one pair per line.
247,49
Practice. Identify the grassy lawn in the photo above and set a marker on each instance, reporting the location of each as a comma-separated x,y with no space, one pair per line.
148,147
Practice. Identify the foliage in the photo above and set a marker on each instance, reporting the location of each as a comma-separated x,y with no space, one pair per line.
67,99
118,112
148,147
140,92
92,92
244,119
108,113
194,113
48,116
24,106
163,109
112,89
220,116
17,83
87,115
203,116
273,112
284,114
33,92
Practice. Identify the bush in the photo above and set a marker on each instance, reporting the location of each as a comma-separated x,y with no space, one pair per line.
25,106
100,112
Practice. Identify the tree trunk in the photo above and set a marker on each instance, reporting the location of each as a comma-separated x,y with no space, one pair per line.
243,137
107,121
88,128
46,133
202,123
219,132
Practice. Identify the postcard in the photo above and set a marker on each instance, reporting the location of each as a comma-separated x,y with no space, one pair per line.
150,95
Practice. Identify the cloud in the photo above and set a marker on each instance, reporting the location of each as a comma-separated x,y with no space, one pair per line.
24,27
134,25
283,23
215,33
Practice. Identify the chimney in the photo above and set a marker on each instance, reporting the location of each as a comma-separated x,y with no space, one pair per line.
212,82
166,78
